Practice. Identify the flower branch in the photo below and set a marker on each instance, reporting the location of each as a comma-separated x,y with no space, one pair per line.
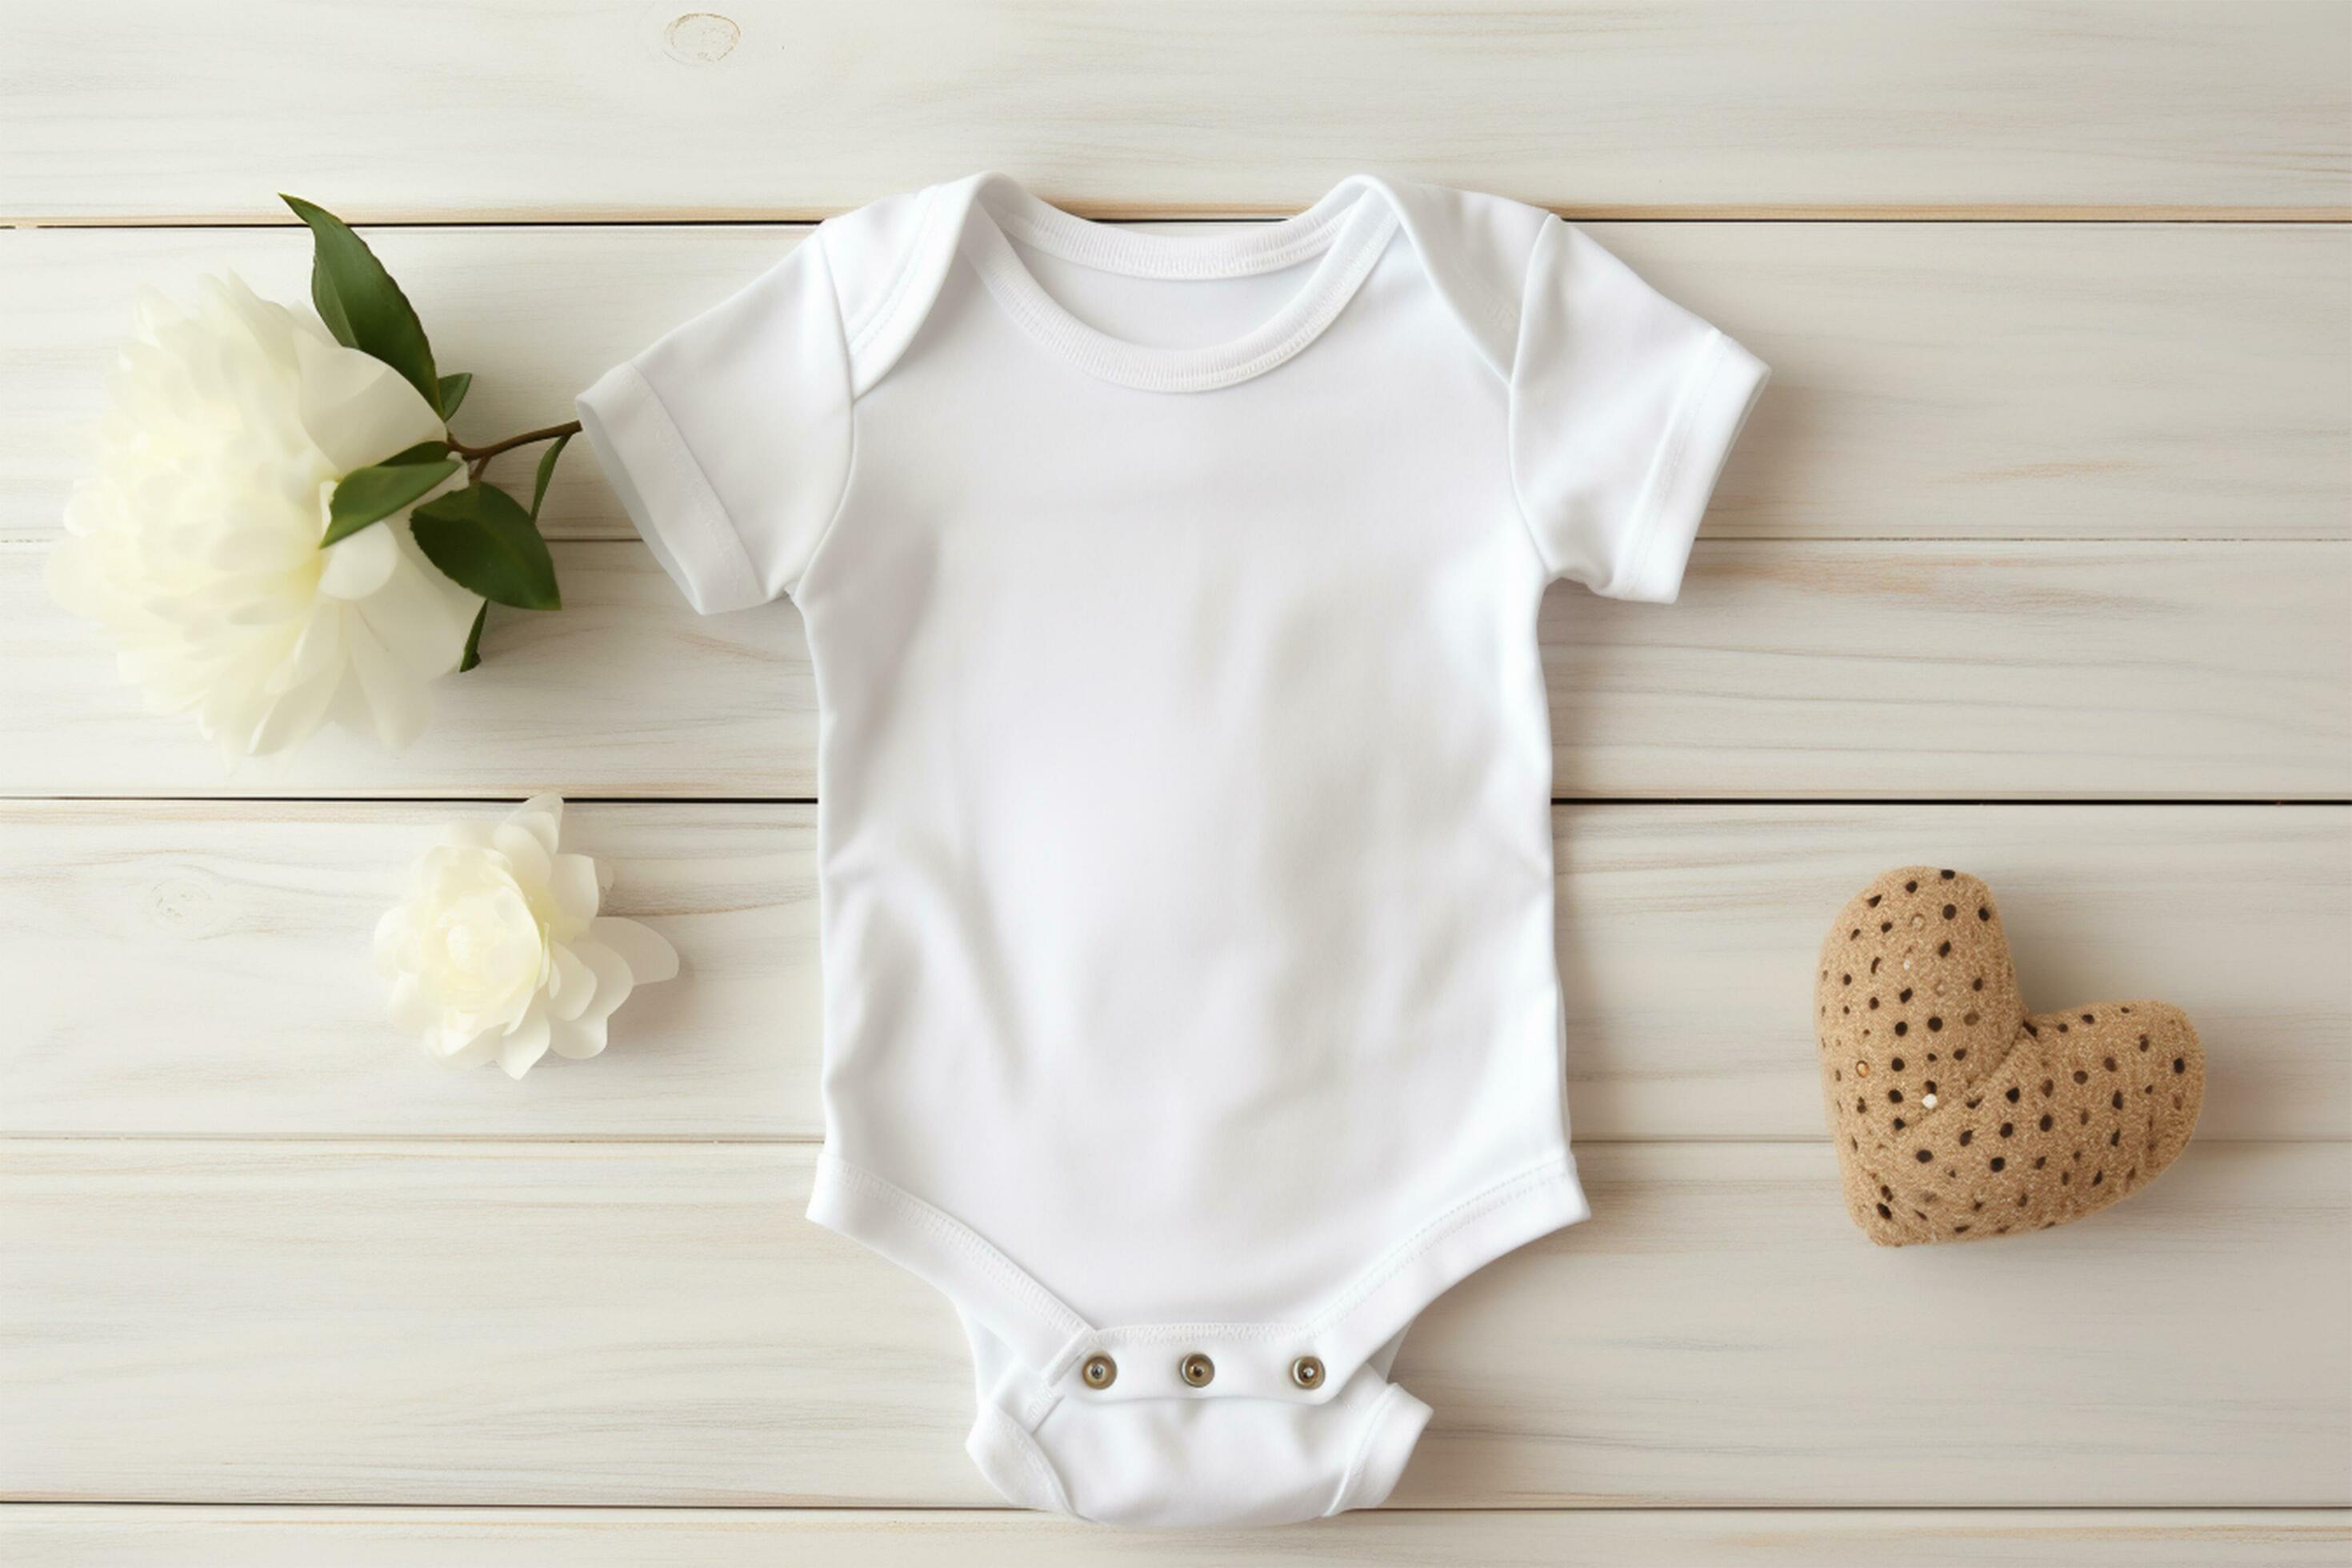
476,456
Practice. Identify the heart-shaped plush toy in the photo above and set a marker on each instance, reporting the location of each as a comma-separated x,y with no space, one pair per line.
1957,1116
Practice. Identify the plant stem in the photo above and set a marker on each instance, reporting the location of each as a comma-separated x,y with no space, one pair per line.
480,454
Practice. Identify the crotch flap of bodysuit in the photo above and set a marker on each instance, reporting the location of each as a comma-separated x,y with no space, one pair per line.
1198,1423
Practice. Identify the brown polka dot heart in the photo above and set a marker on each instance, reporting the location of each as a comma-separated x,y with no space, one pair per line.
1958,1115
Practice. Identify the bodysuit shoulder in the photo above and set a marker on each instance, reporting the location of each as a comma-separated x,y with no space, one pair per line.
887,259
1475,249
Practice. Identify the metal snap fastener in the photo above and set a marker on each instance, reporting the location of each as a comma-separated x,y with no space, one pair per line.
1100,1372
1307,1372
1197,1370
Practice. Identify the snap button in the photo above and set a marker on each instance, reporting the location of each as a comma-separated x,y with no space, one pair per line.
1307,1372
1100,1372
1198,1370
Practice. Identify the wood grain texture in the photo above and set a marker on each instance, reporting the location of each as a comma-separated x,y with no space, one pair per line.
2033,509
1787,670
86,1536
1930,381
113,110
655,1324
204,970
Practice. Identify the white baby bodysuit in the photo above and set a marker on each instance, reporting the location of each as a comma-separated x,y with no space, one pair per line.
1185,768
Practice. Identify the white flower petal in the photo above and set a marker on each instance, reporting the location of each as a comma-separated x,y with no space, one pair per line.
614,982
75,578
358,409
577,1038
257,546
359,564
570,986
420,616
468,1053
350,708
543,816
409,1007
272,326
295,715
521,846
524,1045
572,883
391,936
517,1010
396,698
647,952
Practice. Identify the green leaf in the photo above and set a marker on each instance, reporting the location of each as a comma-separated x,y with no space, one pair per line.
546,472
474,641
422,452
482,540
371,494
453,388
361,304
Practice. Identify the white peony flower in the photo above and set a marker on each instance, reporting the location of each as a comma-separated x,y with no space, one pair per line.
196,541
499,948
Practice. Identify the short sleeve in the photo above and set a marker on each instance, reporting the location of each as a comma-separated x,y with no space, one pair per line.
729,439
1623,407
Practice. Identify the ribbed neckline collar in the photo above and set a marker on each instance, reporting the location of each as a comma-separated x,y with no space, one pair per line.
1349,227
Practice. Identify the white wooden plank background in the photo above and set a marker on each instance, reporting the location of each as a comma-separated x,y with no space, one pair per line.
70,1536
561,108
652,1323
202,970
2053,512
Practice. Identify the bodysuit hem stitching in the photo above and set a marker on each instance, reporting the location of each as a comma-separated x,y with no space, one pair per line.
1373,1424
1079,1334
966,1241
1430,1236
1040,1464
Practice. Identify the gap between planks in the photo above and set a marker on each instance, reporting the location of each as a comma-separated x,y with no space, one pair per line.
492,797
816,1140
1115,212
994,1511
302,1534
41,539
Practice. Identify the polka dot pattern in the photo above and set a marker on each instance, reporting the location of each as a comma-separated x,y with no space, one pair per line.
1984,1120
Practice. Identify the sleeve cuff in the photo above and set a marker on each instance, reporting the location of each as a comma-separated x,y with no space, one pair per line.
1723,388
668,495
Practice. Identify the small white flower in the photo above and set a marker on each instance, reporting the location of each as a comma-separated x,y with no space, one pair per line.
195,542
498,948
